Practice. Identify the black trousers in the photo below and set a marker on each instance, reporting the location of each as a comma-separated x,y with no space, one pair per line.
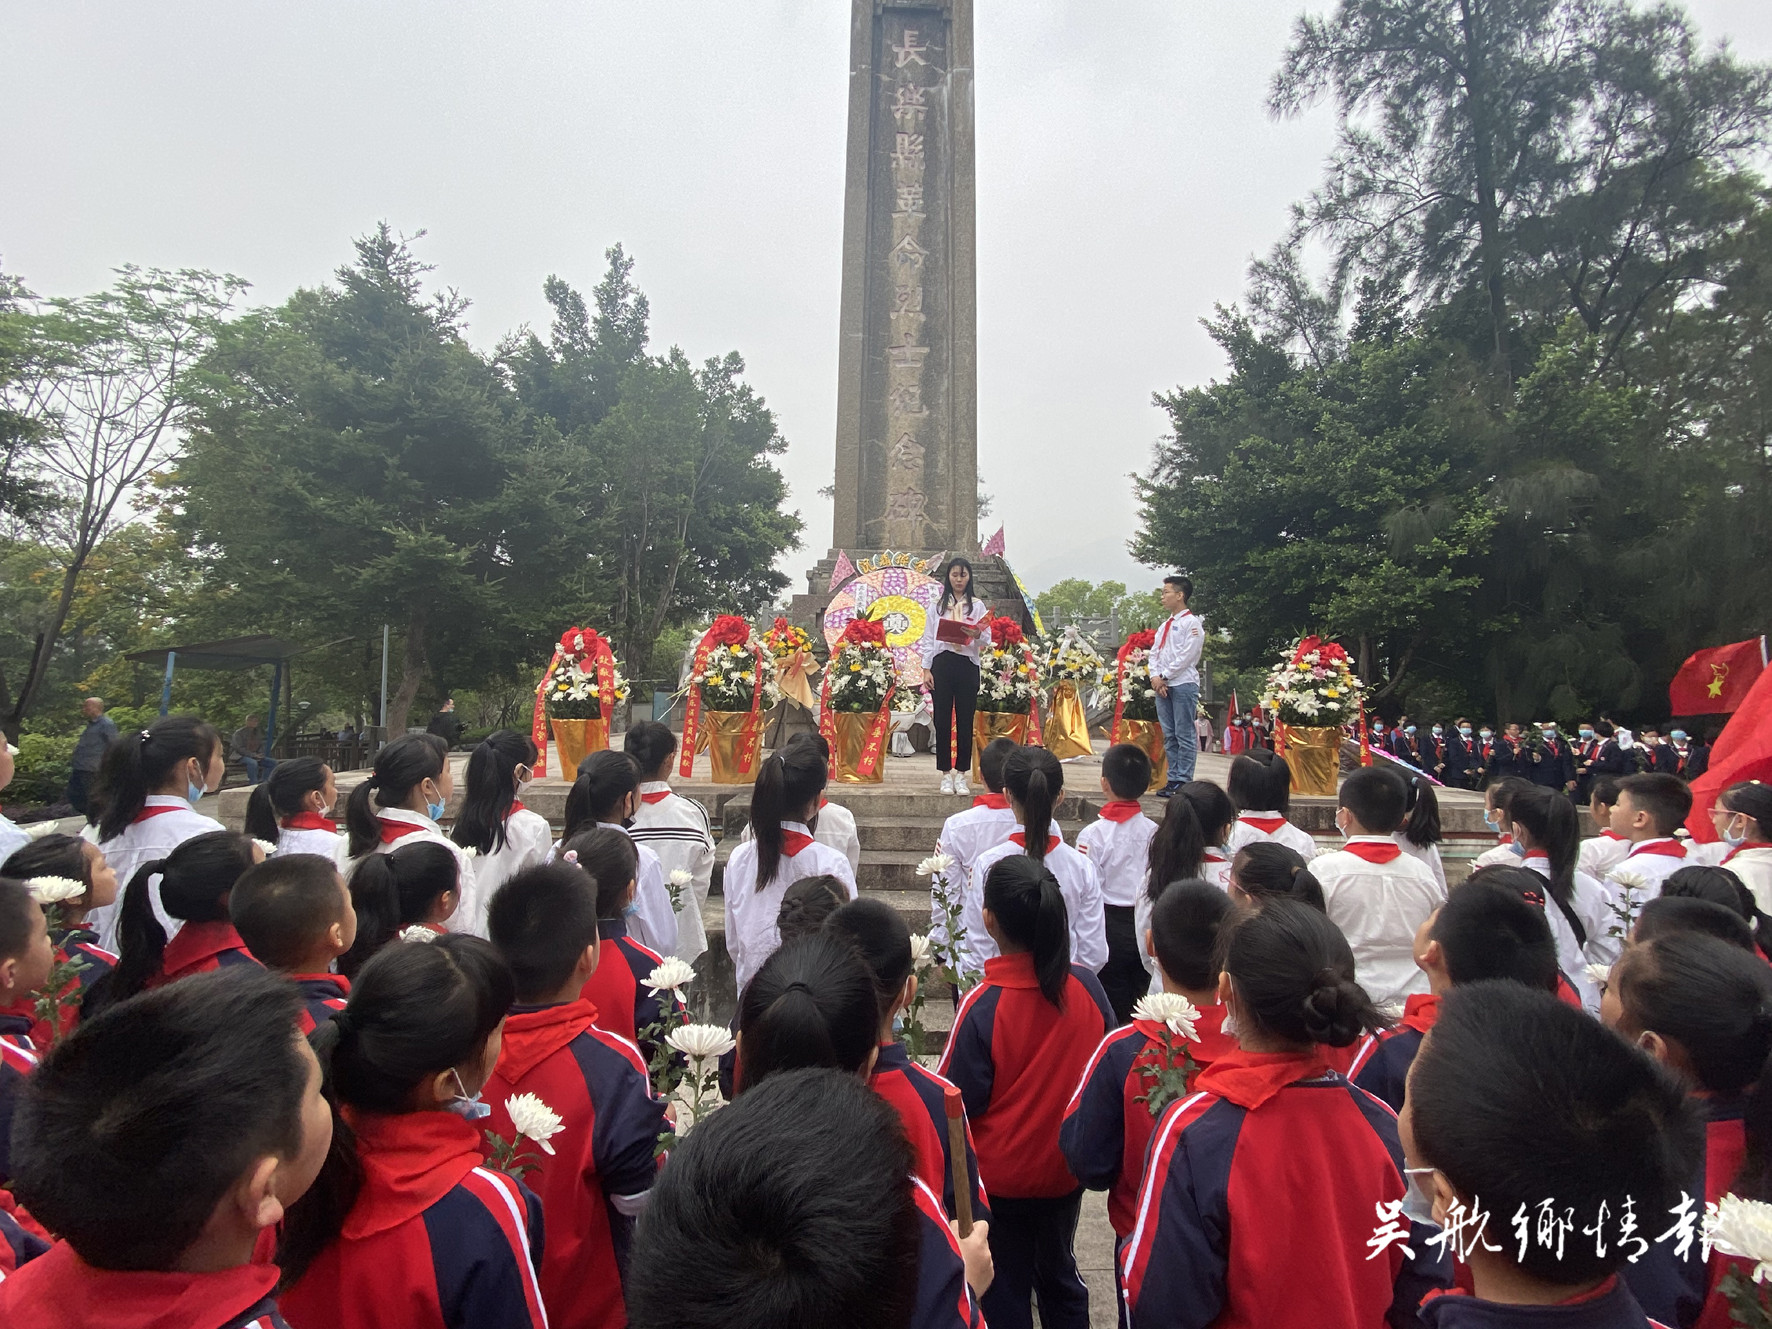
1124,977
955,698
1032,1246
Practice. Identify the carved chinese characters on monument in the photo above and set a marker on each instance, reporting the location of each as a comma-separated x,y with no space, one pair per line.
904,522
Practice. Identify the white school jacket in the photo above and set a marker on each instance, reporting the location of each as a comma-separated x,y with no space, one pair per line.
835,827
163,824
309,833
1215,867
1645,865
1599,855
654,922
1378,896
470,909
1082,898
1254,827
751,932
529,841
964,836
678,831
1753,864
1426,854
1588,902
1120,848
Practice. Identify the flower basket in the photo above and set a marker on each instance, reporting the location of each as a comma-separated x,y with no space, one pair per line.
582,682
987,726
730,734
1008,672
854,728
790,650
1067,728
1147,734
856,699
1315,687
1314,754
577,739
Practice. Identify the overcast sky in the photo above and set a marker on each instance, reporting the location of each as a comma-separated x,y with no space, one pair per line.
1127,173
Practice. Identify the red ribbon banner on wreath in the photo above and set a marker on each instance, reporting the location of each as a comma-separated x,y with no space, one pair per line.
727,630
574,645
1138,641
1007,632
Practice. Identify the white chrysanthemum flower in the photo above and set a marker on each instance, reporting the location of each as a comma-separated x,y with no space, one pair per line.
919,950
672,975
935,865
468,851
534,1119
1172,1009
265,847
681,877
418,932
1598,974
54,890
38,829
1629,879
701,1041
1742,1228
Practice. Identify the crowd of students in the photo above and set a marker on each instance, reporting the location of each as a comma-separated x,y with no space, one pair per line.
388,1076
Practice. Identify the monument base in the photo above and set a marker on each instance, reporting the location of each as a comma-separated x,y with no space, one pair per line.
992,582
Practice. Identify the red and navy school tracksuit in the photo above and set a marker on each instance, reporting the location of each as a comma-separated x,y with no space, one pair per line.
1106,1130
18,1245
1015,1057
1381,1065
434,1241
81,946
322,997
201,948
919,1096
60,1289
1682,1293
18,1058
607,1148
1265,1181
944,1301
1609,1306
625,1005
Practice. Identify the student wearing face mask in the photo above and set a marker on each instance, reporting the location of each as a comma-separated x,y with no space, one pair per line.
291,808
506,837
1587,750
1404,746
1552,764
400,804
1462,761
1743,820
1433,753
148,787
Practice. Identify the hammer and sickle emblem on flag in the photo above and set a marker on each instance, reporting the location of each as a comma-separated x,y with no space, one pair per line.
1719,674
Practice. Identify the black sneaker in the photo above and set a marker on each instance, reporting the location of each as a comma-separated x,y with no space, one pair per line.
1167,791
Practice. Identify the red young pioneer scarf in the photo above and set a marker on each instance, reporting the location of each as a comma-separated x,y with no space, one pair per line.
310,821
1664,848
395,830
1373,851
998,801
1121,809
656,796
792,842
1020,839
1249,1079
145,813
1266,825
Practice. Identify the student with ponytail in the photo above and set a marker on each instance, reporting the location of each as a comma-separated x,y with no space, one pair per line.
147,787
1261,872
1190,845
418,884
675,828
1021,1040
404,1225
1261,787
1703,1008
1547,837
1419,835
400,804
79,860
195,880
606,793
781,850
292,809
1229,1194
1743,821
1033,781
617,988
506,837
1495,802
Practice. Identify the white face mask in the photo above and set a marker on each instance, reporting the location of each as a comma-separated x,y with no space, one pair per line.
1734,835
1418,1202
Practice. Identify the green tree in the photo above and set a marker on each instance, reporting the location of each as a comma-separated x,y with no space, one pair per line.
673,483
1073,598
353,461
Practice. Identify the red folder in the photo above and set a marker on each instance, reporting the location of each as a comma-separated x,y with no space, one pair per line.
953,632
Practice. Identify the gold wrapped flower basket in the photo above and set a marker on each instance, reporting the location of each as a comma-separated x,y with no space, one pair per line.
1314,754
987,726
728,734
1067,728
1147,734
576,740
850,753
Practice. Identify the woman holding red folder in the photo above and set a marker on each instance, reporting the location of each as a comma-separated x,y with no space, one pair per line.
950,668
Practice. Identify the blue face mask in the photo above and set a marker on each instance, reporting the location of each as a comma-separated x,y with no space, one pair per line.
1410,730
1587,733
1549,733
1678,735
1418,1204
1464,731
1437,731
1517,849
193,792
1491,821
465,1105
1487,734
434,810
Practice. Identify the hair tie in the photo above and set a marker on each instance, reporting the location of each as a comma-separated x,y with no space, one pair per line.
798,985
144,734
346,1021
373,782
571,856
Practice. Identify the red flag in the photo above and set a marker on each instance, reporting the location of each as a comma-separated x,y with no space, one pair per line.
1233,703
993,547
1717,680
1744,752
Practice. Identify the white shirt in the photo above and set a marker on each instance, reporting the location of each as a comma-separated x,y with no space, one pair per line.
752,935
143,842
1753,864
1379,907
528,842
1636,879
1120,851
1427,854
964,836
1588,902
303,840
1176,654
678,831
1501,855
1602,853
12,838
1295,838
958,614
1082,898
470,908
654,922
836,827
1215,867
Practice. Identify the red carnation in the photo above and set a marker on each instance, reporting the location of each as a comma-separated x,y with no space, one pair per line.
863,632
572,643
729,630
